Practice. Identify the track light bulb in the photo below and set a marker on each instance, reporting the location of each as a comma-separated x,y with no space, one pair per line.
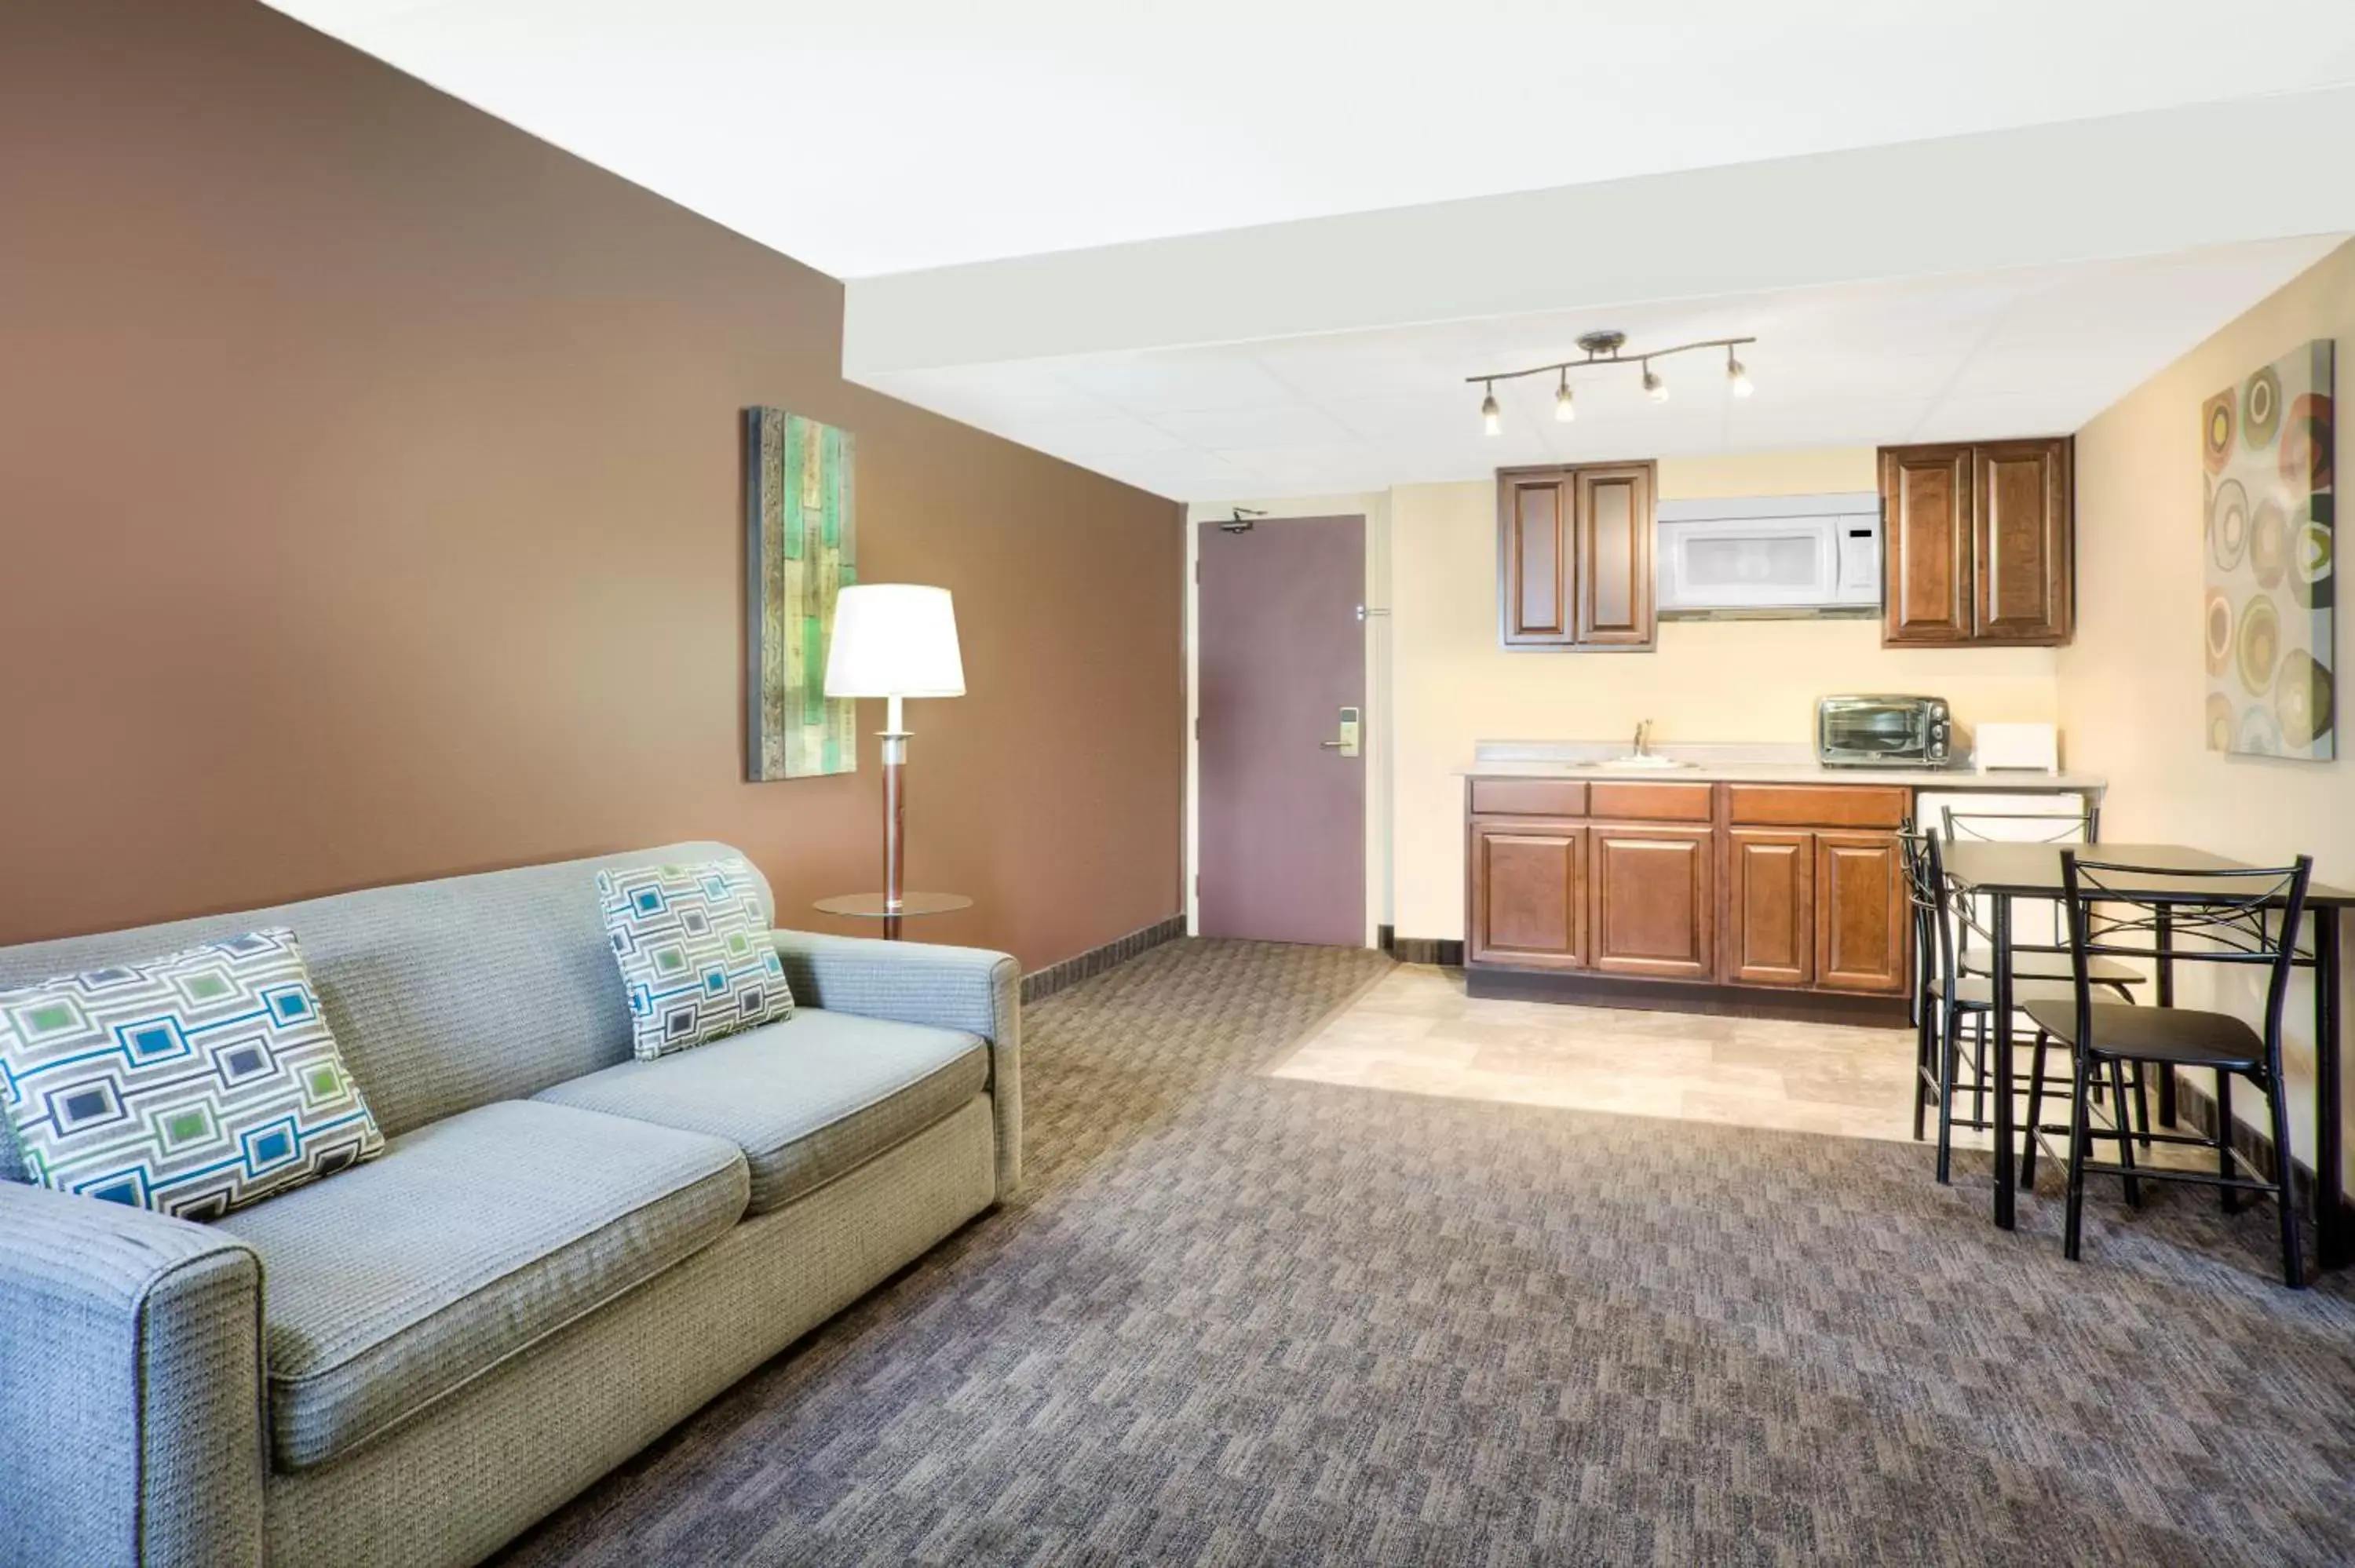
1564,409
1492,418
1737,376
1654,387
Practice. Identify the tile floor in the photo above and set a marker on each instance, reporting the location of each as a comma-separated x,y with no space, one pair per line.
1417,1033
1416,1030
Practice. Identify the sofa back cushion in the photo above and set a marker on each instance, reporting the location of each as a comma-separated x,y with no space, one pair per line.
444,995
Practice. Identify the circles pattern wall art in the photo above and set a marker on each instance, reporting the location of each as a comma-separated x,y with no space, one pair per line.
2270,621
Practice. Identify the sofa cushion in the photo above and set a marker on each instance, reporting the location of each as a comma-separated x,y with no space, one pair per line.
696,955
192,1085
805,1100
467,1241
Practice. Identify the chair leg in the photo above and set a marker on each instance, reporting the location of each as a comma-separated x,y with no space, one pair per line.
2125,1140
1923,1045
2072,1226
2277,1098
1979,1067
1947,1052
2231,1199
2035,1110
2142,1102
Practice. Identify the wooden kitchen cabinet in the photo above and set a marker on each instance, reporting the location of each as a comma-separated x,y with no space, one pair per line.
1862,919
1977,543
1796,888
1770,907
1653,914
2022,503
1536,556
1575,556
1528,893
1925,545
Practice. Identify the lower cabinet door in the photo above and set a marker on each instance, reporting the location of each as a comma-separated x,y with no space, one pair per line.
1652,905
1770,908
1861,914
1527,894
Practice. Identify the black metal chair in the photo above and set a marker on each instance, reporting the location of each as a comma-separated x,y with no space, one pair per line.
1945,997
2119,911
2032,959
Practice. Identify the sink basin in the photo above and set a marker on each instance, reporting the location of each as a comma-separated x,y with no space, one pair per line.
1646,760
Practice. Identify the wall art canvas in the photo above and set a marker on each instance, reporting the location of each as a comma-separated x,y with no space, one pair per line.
799,555
2271,609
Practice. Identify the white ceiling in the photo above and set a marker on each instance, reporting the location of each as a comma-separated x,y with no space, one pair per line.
2030,351
872,136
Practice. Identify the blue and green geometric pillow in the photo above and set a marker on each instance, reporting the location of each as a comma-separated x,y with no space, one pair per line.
191,1085
697,956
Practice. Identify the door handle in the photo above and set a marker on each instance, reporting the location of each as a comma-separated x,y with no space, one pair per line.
1347,742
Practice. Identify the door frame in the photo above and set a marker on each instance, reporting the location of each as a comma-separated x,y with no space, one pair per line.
1373,511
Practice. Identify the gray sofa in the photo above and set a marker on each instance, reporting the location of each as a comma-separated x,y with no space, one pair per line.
561,1253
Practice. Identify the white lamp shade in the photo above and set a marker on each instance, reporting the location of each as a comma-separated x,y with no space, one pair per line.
894,640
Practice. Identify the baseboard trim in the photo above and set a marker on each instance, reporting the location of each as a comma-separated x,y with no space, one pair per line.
1039,984
2197,1108
1447,952
1684,996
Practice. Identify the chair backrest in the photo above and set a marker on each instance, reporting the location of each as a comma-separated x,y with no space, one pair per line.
2078,827
2036,927
2119,910
442,995
1933,902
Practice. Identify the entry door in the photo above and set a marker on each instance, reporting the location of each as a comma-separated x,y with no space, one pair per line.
1282,654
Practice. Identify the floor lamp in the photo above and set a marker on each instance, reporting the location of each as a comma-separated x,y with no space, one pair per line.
894,640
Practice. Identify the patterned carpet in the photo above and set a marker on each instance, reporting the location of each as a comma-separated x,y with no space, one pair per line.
1237,1321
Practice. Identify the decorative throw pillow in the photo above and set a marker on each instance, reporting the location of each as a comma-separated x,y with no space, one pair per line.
696,953
191,1085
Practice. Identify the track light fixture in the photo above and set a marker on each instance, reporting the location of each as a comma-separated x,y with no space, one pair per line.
1603,348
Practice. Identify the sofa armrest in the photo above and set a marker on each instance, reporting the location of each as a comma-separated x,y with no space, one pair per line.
131,1370
970,988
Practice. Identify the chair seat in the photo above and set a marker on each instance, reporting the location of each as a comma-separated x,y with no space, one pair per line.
2033,965
2180,1035
390,1284
1978,991
807,1098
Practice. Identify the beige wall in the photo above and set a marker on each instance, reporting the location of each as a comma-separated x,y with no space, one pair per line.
1707,680
2131,686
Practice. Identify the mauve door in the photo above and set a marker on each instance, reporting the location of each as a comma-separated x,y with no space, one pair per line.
1282,653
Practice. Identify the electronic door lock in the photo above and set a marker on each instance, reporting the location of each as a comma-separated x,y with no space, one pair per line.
1346,745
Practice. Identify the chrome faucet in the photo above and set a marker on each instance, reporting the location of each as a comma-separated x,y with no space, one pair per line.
1643,737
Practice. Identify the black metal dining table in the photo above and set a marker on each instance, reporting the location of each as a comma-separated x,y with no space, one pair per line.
2004,873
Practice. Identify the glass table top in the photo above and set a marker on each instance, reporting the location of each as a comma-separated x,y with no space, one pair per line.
872,907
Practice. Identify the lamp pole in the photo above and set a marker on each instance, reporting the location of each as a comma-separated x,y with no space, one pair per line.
895,815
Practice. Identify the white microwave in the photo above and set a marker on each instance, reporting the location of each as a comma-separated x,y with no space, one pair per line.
1792,553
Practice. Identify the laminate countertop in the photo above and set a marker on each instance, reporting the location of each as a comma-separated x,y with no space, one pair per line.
1744,765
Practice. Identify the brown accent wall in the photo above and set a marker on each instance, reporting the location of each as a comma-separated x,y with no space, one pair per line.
369,511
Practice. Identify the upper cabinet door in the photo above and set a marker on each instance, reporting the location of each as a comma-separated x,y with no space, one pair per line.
1925,496
1536,549
2024,535
1614,557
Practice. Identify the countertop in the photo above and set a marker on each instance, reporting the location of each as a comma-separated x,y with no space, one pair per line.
1744,764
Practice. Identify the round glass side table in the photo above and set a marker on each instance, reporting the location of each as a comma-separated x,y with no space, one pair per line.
875,906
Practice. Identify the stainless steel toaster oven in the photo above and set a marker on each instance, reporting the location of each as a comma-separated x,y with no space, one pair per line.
1883,732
